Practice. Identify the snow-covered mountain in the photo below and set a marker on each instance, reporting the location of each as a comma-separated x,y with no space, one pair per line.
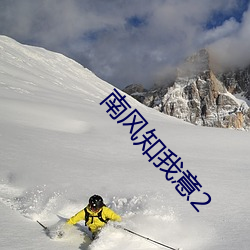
201,95
59,146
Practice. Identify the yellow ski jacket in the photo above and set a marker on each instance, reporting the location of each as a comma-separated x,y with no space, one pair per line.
94,223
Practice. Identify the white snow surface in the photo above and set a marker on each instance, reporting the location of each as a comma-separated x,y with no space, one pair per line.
59,146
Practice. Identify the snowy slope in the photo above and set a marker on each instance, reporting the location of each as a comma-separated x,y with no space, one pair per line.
59,146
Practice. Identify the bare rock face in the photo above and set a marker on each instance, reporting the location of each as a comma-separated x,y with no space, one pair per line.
137,91
237,81
200,97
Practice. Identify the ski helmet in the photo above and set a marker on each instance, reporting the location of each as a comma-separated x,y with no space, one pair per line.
95,202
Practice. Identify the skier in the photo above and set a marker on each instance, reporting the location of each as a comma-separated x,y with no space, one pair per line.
95,214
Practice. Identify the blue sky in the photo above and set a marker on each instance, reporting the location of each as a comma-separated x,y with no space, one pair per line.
131,41
218,17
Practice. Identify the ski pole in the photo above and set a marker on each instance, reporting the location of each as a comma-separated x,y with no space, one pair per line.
45,228
146,238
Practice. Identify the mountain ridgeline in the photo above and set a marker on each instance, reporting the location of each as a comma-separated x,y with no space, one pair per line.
202,95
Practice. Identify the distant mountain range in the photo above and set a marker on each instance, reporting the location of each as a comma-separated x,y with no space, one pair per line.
202,94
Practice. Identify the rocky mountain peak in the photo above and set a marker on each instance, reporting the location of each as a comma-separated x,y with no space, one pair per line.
200,96
196,64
